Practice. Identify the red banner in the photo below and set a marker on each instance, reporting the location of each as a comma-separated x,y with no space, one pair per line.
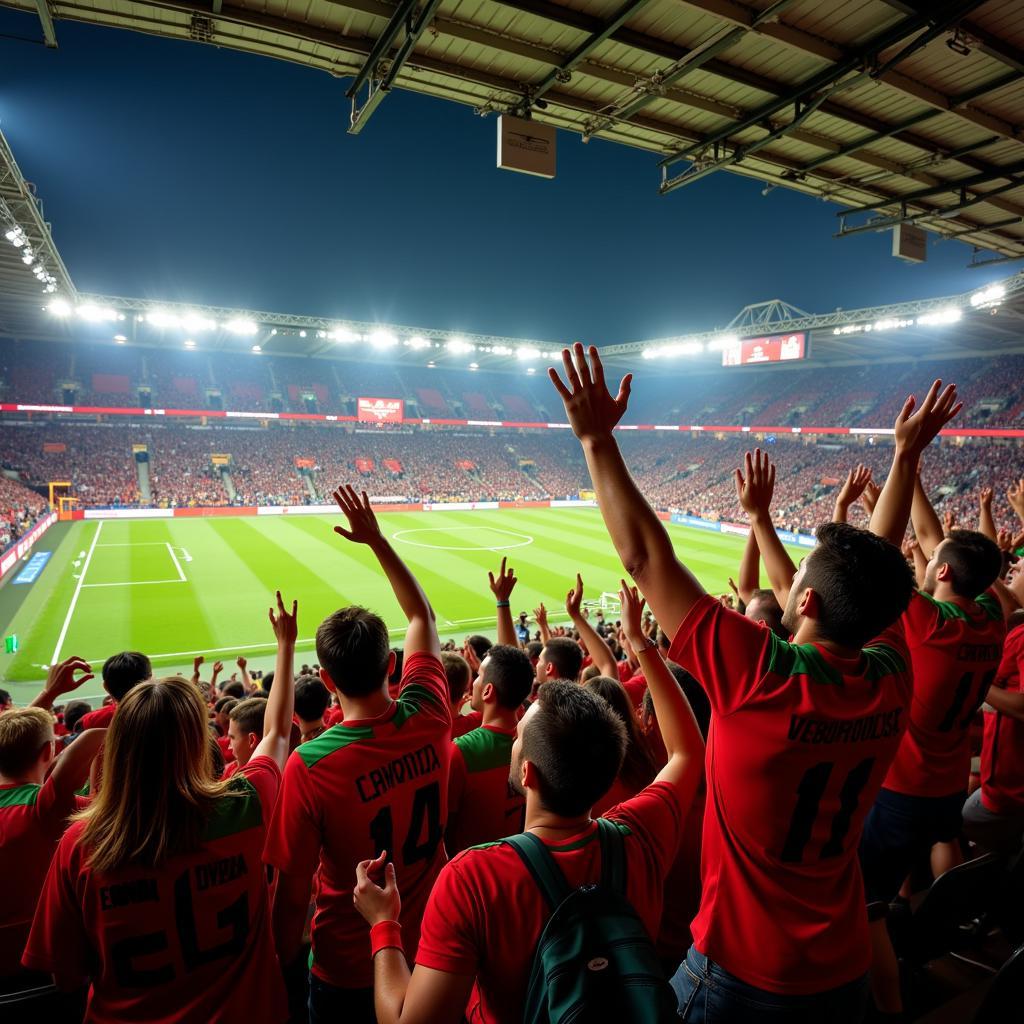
393,464
775,348
364,465
465,464
381,410
305,463
54,446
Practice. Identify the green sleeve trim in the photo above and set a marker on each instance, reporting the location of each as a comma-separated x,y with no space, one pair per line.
483,750
20,796
336,738
237,811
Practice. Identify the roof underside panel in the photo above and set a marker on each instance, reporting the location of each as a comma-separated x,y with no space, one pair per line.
864,102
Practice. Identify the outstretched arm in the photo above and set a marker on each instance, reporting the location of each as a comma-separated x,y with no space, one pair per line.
912,550
364,529
683,741
540,615
986,524
755,488
1015,496
60,679
927,527
277,719
502,587
600,652
856,482
71,771
914,431
750,569
639,536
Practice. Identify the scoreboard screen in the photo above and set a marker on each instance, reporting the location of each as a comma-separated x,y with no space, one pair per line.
773,348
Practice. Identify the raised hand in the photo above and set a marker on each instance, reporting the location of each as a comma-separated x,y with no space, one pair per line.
362,523
870,496
505,582
540,615
915,430
1015,496
574,599
285,626
908,547
60,678
377,904
856,481
471,658
1005,541
948,522
755,483
632,614
241,663
197,664
218,667
589,405
985,497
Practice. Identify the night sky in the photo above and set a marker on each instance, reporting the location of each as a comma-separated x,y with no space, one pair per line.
177,171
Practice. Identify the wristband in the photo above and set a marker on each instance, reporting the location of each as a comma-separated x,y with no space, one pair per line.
502,604
385,935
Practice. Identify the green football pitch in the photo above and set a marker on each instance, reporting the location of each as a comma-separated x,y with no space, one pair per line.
176,588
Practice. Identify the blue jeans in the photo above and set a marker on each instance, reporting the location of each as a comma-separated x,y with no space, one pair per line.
708,994
331,1005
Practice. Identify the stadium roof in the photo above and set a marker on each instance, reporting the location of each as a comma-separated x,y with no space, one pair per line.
900,110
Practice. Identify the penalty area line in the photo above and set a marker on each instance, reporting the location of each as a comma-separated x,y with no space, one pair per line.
75,595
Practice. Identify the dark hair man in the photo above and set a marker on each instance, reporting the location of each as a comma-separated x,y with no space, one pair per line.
460,678
245,731
378,781
482,805
312,700
770,880
120,673
561,658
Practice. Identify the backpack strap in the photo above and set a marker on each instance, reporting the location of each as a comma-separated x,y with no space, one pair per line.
613,857
542,867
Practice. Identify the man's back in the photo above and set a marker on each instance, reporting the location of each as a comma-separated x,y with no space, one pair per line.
1002,752
483,805
356,790
486,914
955,653
800,742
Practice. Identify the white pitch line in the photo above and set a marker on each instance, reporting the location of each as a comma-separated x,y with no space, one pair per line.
134,583
174,559
74,597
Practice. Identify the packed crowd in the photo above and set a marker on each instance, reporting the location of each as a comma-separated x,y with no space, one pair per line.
20,509
530,829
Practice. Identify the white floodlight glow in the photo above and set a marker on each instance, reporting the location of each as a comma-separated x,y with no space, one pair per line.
940,317
417,342
16,236
120,339
990,296
189,343
723,341
27,258
343,335
60,307
94,313
501,350
302,334
193,322
526,352
161,318
240,325
459,346
531,369
382,339
257,348
474,366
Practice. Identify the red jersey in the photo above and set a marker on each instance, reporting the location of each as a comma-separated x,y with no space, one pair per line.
1002,750
482,805
99,719
955,654
224,742
462,724
189,941
625,670
799,744
356,790
32,820
486,914
635,687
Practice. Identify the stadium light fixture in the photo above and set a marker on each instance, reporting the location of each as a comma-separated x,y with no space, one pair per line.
722,342
95,314
459,346
990,296
16,236
940,317
417,342
240,325
59,307
257,348
194,322
531,369
501,350
189,343
302,334
120,339
474,366
526,352
343,335
27,257
382,339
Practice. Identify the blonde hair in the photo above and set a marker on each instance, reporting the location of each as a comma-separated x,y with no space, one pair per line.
158,785
23,733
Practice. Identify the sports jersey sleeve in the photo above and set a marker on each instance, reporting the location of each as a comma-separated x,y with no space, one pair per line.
294,837
58,943
456,781
425,685
655,816
726,652
264,776
920,619
452,923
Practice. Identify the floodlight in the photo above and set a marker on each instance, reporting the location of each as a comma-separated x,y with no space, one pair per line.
120,339
193,322
257,348
417,342
161,318
189,343
527,352
343,335
94,313
722,342
302,334
382,339
531,369
27,257
459,346
501,350
940,317
474,366
990,296
240,325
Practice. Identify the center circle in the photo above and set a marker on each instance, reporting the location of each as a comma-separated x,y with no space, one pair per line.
402,535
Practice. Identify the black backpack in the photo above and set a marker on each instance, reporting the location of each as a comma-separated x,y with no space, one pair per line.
595,961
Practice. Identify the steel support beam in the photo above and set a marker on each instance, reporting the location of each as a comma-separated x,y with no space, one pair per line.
828,77
401,15
45,19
